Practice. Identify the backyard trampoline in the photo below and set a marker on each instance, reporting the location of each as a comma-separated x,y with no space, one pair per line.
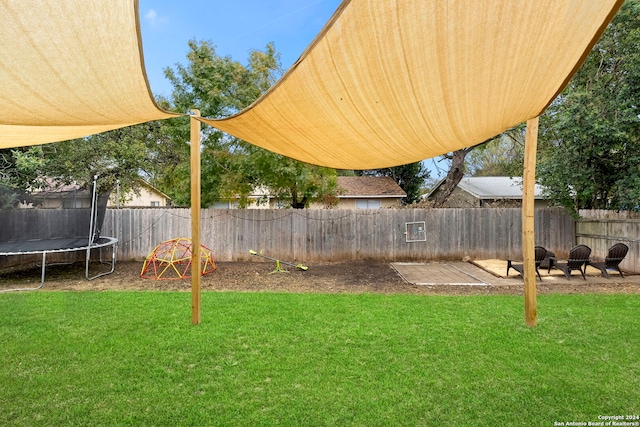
42,232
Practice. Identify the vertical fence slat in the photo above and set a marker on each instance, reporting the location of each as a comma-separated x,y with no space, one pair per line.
600,229
343,235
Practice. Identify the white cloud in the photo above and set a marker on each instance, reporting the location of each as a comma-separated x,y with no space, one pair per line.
154,19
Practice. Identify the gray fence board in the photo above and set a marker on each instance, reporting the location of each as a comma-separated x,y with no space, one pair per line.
337,235
600,229
343,235
333,235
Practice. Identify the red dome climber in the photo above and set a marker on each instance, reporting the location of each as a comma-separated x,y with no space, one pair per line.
171,260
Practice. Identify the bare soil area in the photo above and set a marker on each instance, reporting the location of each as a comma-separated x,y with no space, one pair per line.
343,277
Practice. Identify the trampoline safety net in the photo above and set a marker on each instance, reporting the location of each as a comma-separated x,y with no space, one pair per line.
59,219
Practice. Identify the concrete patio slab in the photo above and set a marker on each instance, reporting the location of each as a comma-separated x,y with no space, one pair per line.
493,273
438,273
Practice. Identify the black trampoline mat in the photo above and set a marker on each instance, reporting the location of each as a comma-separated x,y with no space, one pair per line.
49,245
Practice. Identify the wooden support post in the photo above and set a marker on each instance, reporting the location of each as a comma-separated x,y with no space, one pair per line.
528,235
195,218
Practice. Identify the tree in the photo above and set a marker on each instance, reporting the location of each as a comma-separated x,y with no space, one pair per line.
298,183
213,85
410,178
454,175
590,136
501,156
20,169
119,155
232,168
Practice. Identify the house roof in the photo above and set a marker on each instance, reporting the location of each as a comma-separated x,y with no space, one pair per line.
493,187
369,186
56,187
154,189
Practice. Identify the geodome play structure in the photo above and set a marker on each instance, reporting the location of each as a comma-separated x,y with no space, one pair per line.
172,259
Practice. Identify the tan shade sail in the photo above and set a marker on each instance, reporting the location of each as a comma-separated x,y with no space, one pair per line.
386,82
390,82
70,68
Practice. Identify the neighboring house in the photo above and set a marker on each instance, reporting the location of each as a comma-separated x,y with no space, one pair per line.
258,199
488,191
66,196
71,196
355,192
148,196
367,192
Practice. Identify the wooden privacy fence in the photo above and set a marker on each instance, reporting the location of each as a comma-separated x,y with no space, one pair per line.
600,229
335,235
342,235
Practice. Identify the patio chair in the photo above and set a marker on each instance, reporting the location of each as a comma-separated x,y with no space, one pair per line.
548,262
578,260
540,254
613,259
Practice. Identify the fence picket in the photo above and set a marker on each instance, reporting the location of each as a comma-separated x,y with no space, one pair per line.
335,235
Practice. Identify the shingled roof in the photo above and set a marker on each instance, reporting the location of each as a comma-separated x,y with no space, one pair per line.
496,187
492,187
369,186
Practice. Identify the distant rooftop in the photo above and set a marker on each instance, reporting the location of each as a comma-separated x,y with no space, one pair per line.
496,187
369,186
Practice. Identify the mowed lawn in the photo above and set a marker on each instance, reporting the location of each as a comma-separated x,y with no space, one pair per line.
264,359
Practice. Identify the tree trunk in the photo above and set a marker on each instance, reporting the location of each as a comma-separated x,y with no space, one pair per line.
454,176
298,204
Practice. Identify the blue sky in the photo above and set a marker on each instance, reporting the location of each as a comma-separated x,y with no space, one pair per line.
234,26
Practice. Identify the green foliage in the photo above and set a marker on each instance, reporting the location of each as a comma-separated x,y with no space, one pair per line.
119,155
122,155
20,169
170,171
590,136
502,156
213,84
217,87
231,168
410,178
298,184
133,358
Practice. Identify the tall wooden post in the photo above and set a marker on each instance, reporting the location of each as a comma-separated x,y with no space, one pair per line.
528,236
195,218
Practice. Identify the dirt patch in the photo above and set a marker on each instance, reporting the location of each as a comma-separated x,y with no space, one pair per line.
343,277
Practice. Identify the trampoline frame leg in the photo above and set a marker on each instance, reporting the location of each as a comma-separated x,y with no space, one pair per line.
113,263
44,265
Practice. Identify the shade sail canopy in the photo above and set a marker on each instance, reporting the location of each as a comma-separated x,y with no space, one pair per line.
385,83
397,81
70,68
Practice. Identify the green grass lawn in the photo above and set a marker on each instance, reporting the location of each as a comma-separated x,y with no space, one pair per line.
263,359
